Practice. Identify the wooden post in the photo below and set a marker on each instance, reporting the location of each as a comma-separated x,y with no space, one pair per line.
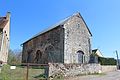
27,71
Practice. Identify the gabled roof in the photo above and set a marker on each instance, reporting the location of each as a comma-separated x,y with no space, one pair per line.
62,22
94,51
97,52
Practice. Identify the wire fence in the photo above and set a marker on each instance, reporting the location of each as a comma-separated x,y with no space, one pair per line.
25,71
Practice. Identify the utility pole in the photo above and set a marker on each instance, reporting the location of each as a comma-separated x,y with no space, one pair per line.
117,59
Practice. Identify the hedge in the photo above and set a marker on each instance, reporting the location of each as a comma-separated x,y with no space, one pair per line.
107,61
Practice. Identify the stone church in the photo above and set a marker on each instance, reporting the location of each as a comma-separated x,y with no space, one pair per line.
68,41
4,37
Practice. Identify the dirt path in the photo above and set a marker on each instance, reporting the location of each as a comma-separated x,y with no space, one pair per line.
108,76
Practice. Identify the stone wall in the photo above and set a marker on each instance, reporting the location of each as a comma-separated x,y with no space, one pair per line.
1,34
4,38
69,42
73,69
108,68
77,38
77,69
47,47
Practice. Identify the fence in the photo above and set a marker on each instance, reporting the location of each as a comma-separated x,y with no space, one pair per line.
25,71
32,71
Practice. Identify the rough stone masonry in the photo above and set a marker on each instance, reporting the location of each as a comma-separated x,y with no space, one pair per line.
68,41
4,37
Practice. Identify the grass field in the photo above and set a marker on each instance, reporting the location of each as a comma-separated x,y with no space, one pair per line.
35,73
20,73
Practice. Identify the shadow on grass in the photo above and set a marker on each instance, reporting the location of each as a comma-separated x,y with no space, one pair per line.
41,76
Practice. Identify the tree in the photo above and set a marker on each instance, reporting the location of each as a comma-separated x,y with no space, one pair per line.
14,57
18,56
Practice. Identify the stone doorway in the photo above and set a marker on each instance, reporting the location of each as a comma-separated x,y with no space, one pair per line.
80,55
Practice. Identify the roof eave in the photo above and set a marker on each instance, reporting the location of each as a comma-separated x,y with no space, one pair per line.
41,34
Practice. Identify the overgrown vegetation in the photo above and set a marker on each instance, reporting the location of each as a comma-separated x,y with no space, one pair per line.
14,57
20,73
57,77
107,61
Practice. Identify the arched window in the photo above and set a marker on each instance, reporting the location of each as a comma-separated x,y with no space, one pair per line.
80,56
38,56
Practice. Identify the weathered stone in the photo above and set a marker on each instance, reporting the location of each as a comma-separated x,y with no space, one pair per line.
108,68
73,69
66,42
50,45
4,37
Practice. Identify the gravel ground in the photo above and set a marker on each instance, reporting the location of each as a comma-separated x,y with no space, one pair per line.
115,75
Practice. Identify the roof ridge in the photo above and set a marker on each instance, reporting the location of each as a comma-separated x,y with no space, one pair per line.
61,22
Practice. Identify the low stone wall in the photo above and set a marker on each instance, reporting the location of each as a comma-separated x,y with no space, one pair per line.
78,69
73,69
108,68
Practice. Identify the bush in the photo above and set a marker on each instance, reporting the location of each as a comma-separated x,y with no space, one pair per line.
14,57
107,61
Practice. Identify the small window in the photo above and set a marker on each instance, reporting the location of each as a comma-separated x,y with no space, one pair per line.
78,25
67,33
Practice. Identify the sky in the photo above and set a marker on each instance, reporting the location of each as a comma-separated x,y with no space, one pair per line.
29,17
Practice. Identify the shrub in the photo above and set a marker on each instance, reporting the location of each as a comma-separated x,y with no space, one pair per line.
107,61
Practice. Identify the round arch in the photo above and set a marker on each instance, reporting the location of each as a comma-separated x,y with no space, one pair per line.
38,56
80,55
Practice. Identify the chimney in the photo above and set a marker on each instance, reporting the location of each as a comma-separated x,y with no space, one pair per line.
8,16
77,14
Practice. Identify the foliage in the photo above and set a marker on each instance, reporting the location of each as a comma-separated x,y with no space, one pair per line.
4,75
107,61
14,57
20,73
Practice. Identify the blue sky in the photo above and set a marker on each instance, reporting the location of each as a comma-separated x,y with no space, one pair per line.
28,17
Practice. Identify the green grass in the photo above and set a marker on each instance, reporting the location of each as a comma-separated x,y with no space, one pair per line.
35,73
20,73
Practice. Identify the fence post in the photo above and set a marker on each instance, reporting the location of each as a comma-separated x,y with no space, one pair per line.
46,72
27,71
